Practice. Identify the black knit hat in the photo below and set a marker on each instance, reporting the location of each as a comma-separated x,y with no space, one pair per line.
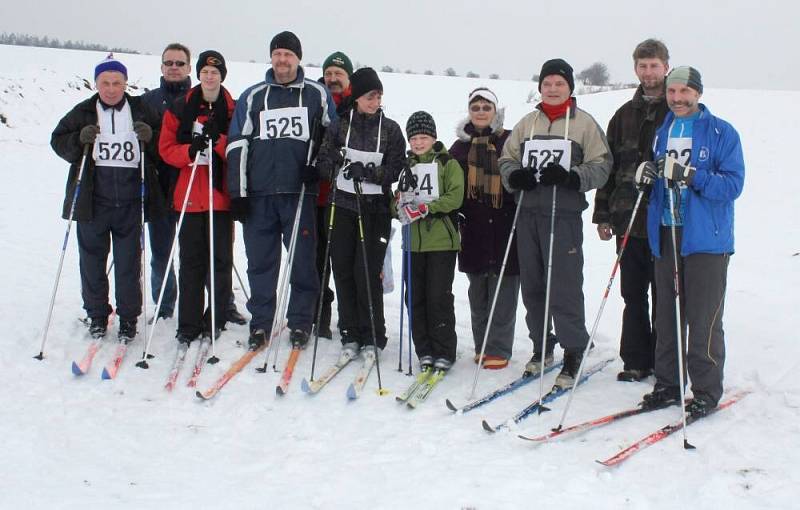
420,123
214,59
560,67
364,81
286,41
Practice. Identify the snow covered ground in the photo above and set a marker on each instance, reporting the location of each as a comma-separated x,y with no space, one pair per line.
81,442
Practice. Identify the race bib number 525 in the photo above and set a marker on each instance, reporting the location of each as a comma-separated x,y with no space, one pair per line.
285,123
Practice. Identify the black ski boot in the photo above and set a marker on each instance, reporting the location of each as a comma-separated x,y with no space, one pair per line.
662,396
699,407
127,331
534,366
233,315
634,374
572,362
257,340
98,327
298,338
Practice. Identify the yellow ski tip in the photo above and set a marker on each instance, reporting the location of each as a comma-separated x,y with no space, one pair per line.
383,392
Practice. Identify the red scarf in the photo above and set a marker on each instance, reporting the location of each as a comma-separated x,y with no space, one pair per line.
338,98
558,110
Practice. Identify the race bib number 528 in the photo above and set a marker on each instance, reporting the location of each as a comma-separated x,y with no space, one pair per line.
121,149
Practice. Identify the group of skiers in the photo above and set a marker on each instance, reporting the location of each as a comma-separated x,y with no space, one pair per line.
666,176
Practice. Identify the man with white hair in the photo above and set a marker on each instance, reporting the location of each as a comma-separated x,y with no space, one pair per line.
114,126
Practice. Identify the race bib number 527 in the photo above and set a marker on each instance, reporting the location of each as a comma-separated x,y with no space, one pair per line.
538,153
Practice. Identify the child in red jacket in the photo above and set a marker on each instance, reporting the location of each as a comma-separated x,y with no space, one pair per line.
189,125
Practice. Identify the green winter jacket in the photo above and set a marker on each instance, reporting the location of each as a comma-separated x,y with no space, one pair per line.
437,231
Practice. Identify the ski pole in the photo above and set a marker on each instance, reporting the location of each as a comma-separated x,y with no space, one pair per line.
622,247
145,355
368,281
678,322
142,242
402,300
496,294
325,266
241,282
545,327
74,201
409,301
212,297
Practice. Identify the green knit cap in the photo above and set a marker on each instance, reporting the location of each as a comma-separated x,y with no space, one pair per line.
686,75
338,59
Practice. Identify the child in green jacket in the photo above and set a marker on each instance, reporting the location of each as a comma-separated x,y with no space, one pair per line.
429,208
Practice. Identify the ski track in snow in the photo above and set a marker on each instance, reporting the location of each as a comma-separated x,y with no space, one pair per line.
81,442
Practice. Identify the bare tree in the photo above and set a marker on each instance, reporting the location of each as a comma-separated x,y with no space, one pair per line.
428,72
450,72
595,74
470,74
494,76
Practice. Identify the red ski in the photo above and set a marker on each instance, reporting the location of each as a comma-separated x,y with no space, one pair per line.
665,432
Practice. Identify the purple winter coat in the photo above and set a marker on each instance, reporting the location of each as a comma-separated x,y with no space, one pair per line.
484,230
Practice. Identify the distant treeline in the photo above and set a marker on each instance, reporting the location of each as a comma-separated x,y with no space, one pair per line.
46,42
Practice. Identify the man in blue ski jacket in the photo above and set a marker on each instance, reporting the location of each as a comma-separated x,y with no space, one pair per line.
697,175
275,123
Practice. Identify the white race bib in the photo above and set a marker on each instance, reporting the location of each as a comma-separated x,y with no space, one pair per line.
537,153
427,181
117,149
680,149
344,182
285,123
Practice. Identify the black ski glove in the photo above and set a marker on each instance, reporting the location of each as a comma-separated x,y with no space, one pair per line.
356,171
375,174
240,208
646,174
309,174
554,174
674,171
88,134
198,144
143,131
523,178
211,131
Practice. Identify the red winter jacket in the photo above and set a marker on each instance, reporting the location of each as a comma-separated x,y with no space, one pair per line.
325,186
176,154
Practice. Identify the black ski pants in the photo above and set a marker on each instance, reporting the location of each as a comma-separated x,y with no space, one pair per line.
193,316
325,277
702,280
638,341
349,275
122,224
433,320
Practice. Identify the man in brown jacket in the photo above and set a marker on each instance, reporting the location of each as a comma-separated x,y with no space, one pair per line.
630,136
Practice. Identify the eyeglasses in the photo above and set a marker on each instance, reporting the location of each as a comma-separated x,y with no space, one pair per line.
173,63
477,107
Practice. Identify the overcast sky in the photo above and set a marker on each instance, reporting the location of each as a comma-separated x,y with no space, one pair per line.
734,43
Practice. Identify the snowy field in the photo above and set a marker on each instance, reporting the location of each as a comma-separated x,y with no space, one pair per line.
81,442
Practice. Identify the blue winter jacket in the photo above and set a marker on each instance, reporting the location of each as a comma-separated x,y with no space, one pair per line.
259,167
718,181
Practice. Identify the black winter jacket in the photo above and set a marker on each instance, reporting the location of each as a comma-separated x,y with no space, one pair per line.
363,137
65,142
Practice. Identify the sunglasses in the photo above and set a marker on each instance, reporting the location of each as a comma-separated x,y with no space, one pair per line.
477,107
171,63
